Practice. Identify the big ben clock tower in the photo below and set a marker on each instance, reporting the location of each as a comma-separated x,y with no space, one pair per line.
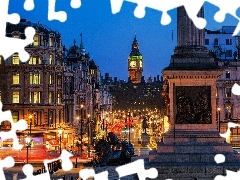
135,59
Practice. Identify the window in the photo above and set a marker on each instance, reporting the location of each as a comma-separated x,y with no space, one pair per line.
0,96
15,97
50,78
15,116
59,80
228,41
36,40
206,41
228,112
215,42
1,59
227,74
35,78
50,59
59,98
35,97
51,40
227,92
50,97
16,79
229,53
15,59
35,60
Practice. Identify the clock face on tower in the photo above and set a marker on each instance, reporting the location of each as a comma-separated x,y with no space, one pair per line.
133,64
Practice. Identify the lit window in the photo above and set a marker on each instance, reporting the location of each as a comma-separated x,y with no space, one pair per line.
35,97
50,79
1,59
36,40
59,98
227,74
35,78
15,97
15,59
51,42
227,92
16,79
50,97
0,96
228,112
35,60
50,59
15,116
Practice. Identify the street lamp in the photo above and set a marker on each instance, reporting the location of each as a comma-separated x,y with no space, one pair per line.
129,127
218,109
30,118
60,131
28,144
88,135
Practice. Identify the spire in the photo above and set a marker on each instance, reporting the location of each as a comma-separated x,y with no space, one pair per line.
135,47
74,42
82,49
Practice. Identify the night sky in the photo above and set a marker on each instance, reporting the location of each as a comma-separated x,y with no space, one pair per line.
108,38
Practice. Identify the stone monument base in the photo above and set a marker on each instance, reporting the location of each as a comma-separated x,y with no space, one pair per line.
145,139
190,155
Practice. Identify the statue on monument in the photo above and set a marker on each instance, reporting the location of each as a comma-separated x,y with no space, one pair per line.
144,125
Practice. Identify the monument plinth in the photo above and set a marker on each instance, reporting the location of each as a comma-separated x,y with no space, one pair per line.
190,146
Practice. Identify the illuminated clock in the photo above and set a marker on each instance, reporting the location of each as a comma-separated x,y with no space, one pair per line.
140,63
133,64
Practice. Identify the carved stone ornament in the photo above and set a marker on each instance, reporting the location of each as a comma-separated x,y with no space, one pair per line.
193,105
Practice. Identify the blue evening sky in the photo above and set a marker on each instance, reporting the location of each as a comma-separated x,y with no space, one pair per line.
108,38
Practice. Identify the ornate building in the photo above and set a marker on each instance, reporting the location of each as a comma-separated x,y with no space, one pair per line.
226,49
81,91
135,63
33,90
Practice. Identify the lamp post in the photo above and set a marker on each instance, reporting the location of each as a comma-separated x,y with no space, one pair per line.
88,134
81,127
30,118
28,144
218,109
60,131
129,127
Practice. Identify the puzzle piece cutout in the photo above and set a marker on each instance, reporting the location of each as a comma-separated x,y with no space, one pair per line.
52,13
65,162
230,175
192,8
20,125
7,162
6,43
90,173
138,168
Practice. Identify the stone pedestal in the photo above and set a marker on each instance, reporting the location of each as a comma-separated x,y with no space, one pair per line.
190,155
145,139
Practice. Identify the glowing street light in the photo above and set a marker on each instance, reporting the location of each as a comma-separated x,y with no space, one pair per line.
28,144
88,135
60,131
218,109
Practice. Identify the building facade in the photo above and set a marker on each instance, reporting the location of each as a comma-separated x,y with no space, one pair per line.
226,48
81,91
33,90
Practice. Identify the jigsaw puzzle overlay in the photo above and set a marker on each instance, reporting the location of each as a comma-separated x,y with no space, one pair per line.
6,50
